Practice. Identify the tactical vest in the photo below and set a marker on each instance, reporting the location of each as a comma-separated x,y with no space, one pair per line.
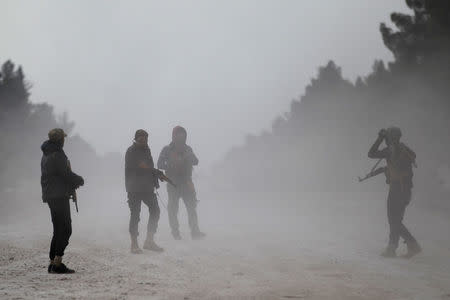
399,166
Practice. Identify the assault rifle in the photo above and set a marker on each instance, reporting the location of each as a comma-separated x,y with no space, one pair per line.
373,174
163,177
374,171
158,173
73,193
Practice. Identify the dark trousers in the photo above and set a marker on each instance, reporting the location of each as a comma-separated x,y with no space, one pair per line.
187,193
62,226
398,198
134,202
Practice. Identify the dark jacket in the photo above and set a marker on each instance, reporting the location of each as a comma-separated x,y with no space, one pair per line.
140,180
57,179
178,162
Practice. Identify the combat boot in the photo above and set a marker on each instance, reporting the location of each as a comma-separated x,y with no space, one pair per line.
50,266
135,246
389,252
413,249
151,245
176,235
198,235
59,267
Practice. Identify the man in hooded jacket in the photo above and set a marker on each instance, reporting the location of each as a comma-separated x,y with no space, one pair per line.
58,182
178,159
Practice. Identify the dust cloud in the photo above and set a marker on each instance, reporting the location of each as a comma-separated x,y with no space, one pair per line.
284,213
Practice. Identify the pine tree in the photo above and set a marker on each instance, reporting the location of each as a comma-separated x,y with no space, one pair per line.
421,38
24,126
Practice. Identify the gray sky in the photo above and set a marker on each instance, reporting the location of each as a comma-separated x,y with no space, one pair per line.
222,69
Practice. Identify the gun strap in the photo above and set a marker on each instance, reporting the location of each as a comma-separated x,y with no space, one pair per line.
162,202
376,165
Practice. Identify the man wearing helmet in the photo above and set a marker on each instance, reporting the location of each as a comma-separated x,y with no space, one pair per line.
400,160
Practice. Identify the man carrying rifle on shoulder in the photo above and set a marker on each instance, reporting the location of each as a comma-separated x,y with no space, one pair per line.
400,159
58,184
141,180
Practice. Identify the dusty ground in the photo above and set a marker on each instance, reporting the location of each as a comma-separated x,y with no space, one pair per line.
309,258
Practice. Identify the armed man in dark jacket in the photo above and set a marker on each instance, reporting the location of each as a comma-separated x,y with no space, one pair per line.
400,159
141,180
178,159
58,183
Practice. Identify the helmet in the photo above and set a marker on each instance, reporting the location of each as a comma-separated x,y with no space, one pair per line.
393,133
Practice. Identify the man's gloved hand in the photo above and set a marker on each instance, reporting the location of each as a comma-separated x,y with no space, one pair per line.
80,182
159,173
77,182
382,133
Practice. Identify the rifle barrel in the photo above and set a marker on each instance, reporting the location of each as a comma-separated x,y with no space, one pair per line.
373,173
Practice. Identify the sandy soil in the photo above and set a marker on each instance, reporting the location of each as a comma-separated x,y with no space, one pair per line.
303,259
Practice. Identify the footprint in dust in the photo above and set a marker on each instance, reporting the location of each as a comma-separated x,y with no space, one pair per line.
64,279
148,266
148,283
338,275
302,295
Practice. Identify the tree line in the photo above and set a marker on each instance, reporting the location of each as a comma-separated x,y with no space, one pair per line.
321,143
24,126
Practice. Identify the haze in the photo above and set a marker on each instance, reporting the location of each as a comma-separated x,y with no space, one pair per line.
282,101
221,69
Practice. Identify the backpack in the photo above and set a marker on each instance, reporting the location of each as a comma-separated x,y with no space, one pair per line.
399,164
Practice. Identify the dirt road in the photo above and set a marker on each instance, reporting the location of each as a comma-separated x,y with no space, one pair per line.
308,259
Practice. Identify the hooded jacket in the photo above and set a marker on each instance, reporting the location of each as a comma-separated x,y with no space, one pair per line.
178,160
57,179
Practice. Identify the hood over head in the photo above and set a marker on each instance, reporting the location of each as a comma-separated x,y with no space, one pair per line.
179,130
49,147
